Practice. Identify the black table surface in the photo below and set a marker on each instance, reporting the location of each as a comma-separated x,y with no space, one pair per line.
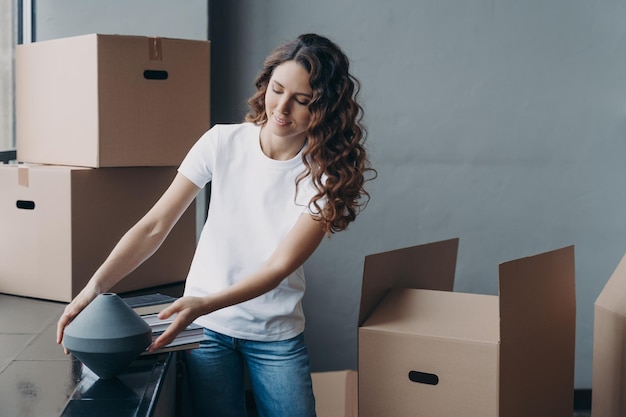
38,380
133,393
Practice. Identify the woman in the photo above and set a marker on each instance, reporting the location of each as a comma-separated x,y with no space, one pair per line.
291,173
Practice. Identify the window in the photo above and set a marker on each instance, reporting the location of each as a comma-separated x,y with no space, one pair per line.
15,28
7,48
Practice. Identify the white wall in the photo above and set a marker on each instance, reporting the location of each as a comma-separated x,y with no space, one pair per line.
500,122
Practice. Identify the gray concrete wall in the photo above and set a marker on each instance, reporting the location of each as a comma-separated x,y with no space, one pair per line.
500,122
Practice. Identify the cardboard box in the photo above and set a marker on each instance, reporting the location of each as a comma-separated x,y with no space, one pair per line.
111,100
335,393
608,398
60,223
427,351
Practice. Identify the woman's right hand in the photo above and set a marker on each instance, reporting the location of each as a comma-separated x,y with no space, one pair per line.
77,305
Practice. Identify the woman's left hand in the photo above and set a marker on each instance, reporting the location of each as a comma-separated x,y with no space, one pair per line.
187,309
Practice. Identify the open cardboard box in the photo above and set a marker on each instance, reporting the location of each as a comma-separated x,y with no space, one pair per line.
60,223
111,100
608,395
335,393
427,351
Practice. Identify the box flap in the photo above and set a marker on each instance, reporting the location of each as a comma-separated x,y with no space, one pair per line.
438,314
612,295
430,266
537,329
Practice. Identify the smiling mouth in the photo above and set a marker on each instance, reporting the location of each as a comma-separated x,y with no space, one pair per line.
281,122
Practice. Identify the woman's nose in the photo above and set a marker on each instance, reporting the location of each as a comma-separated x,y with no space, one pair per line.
283,105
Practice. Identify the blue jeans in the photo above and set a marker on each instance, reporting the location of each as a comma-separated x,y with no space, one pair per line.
279,374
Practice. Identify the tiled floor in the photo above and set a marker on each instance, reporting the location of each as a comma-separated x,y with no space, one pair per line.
22,321
27,358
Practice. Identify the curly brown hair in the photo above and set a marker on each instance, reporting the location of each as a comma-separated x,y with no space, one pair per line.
335,157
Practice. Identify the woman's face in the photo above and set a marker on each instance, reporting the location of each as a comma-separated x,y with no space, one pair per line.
287,101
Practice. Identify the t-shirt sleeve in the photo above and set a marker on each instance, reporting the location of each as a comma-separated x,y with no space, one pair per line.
197,166
305,195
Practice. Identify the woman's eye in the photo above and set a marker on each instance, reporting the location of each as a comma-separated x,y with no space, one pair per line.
301,101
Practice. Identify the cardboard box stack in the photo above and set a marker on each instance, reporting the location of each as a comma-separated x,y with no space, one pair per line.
609,348
103,121
427,351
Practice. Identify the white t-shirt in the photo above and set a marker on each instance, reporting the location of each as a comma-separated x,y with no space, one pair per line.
252,207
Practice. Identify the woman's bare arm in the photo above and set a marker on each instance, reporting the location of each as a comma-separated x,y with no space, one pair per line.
137,245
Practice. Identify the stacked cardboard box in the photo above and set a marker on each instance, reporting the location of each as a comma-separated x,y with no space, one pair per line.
111,101
427,351
103,121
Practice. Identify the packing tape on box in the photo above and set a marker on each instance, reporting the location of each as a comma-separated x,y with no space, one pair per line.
22,176
155,49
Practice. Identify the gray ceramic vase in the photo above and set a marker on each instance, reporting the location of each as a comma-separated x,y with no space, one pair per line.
107,335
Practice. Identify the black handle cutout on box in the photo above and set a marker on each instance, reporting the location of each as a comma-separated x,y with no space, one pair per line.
155,75
423,378
25,205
